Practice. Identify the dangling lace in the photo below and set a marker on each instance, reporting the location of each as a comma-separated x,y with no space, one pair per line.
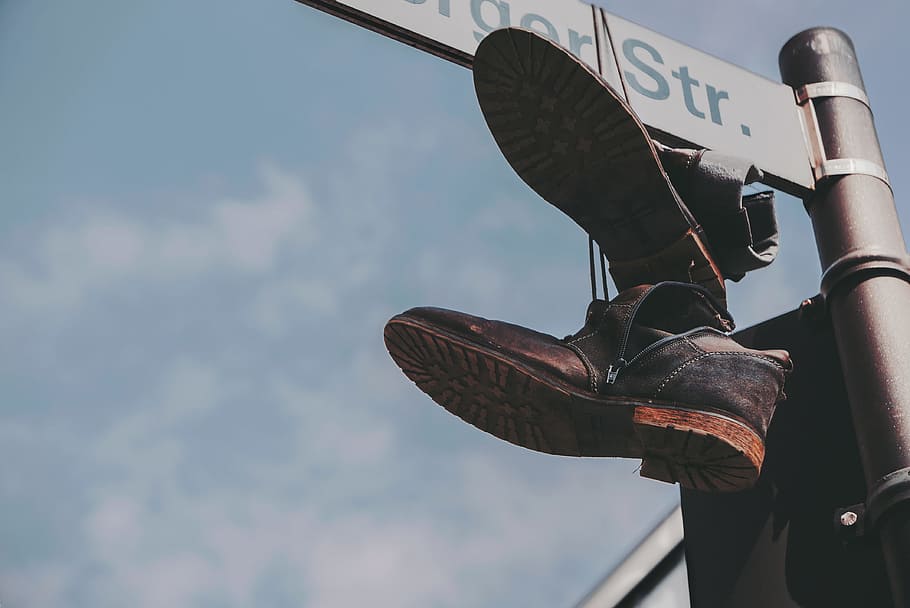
603,270
603,280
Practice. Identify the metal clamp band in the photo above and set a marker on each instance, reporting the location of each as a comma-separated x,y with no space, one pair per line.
887,492
831,88
822,167
850,166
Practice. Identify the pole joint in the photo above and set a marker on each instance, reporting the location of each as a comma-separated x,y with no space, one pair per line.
856,522
866,262
887,493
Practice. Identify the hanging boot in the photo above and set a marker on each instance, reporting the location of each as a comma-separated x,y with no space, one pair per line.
653,374
581,147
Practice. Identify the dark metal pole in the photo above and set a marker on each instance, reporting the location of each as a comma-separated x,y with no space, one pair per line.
865,278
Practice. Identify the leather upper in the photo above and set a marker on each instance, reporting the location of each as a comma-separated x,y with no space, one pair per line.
537,349
666,342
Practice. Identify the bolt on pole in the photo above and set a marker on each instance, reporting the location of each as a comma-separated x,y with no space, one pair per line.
865,278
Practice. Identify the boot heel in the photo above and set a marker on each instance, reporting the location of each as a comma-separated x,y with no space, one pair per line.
698,450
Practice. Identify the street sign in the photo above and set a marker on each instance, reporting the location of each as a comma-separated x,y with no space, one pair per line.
693,98
710,103
452,29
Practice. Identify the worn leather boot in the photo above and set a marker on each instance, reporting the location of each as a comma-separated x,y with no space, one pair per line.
653,374
581,147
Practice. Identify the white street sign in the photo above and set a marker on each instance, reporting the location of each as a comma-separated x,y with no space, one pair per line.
710,103
454,28
675,89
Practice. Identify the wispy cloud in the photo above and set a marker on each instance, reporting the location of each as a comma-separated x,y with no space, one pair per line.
305,464
91,252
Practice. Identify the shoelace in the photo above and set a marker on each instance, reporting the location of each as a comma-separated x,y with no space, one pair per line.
603,274
603,270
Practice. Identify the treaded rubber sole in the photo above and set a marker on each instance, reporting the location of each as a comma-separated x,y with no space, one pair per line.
514,402
580,146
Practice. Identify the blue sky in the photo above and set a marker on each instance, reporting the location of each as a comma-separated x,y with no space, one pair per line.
210,210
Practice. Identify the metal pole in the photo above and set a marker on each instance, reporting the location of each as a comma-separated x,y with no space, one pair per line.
865,278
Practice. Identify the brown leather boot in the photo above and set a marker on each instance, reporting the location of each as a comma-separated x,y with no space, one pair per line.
580,146
653,374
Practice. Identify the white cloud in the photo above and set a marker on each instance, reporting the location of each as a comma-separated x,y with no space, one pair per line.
327,518
279,303
335,497
243,235
226,545
78,257
361,561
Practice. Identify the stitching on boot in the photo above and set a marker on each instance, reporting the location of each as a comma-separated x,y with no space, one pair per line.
584,359
580,338
694,345
676,372
753,355
603,316
650,356
679,369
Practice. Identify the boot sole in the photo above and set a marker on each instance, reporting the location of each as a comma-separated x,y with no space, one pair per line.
580,146
677,442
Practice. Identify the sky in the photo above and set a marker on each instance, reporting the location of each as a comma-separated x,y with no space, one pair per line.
210,209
